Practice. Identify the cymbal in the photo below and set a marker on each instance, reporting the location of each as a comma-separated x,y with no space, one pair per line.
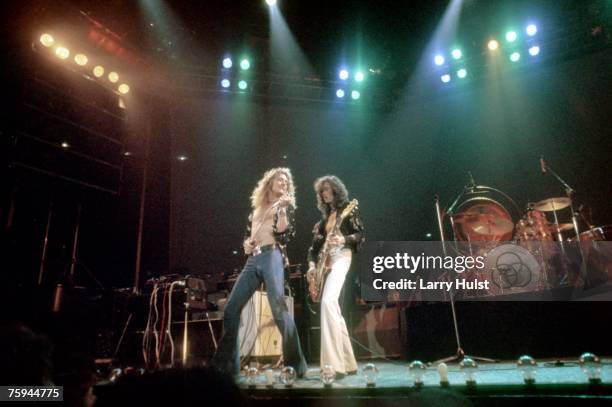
563,227
552,204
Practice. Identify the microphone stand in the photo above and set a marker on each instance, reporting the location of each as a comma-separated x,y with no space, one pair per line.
460,354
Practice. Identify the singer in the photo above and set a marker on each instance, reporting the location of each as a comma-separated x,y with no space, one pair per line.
270,226
344,236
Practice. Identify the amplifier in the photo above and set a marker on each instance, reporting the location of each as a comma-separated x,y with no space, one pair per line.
258,334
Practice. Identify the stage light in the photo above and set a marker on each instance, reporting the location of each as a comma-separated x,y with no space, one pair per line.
184,158
443,373
493,45
439,60
511,36
65,144
531,30
47,40
340,93
461,73
271,2
225,83
469,368
242,85
251,378
591,366
535,50
417,369
127,153
343,74
370,371
445,78
113,76
62,52
245,64
80,59
98,71
355,94
515,56
456,53
359,76
124,88
528,367
269,375
328,375
115,374
287,376
227,63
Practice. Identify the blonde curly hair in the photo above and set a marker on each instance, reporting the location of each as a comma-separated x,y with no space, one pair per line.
258,197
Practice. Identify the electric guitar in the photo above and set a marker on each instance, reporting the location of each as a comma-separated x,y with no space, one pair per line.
316,282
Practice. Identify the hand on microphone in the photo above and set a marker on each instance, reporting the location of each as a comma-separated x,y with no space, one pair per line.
284,201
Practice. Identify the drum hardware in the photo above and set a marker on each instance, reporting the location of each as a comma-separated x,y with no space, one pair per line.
556,204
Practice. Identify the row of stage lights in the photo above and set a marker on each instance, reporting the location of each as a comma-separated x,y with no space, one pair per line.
347,86
456,61
228,64
63,53
348,82
526,366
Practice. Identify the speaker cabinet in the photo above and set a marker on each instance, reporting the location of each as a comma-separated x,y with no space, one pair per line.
258,333
378,328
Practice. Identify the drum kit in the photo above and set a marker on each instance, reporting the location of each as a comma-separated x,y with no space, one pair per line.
524,251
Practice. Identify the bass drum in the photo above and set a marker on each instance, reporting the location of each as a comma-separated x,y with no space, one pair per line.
513,269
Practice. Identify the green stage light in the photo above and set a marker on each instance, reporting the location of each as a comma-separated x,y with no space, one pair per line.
511,36
242,85
245,64
515,56
456,53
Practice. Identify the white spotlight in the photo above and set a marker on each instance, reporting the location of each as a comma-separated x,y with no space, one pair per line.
271,2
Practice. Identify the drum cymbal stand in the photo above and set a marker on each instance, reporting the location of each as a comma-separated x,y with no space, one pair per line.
460,355
569,191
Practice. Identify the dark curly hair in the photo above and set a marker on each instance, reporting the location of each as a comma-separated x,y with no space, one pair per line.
340,193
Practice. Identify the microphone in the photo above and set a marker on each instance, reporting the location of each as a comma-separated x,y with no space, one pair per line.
542,165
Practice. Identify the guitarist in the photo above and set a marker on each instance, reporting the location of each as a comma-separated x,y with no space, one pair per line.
332,199
270,227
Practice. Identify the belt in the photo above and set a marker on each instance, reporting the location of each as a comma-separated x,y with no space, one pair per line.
261,249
